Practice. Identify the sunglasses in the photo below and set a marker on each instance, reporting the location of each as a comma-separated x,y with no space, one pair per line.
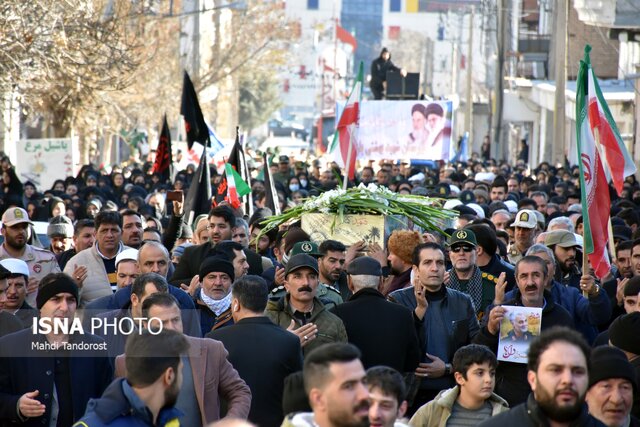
461,248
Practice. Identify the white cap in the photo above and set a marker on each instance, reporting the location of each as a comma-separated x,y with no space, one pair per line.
128,254
476,207
452,203
511,205
16,266
526,218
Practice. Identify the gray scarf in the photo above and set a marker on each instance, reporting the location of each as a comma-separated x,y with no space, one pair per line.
474,287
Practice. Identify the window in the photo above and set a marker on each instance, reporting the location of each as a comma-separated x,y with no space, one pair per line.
312,4
395,6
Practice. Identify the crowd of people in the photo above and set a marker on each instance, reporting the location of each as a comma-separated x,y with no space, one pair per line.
269,328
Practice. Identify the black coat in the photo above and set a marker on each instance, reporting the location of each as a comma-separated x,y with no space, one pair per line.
511,378
23,369
9,323
383,331
193,256
528,414
263,354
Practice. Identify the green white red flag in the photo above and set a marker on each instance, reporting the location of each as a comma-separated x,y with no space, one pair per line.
347,128
236,187
603,158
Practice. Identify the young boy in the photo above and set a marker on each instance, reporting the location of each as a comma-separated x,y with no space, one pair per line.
472,400
387,393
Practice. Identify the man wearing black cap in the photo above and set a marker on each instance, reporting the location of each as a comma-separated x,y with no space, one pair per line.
623,334
47,379
212,296
612,383
301,311
382,330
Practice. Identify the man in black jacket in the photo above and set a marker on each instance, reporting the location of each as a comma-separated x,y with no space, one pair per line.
383,331
254,334
531,277
558,375
379,68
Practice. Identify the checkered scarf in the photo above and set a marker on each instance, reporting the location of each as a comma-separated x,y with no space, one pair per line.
474,287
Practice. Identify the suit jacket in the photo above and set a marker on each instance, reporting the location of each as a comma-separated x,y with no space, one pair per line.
264,355
193,256
214,378
24,369
383,331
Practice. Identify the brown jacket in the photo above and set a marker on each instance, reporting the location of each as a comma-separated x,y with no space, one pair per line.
214,378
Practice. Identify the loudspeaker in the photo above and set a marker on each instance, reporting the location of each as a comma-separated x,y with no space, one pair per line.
399,87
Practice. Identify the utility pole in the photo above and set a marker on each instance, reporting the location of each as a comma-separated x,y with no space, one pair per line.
468,117
497,149
560,56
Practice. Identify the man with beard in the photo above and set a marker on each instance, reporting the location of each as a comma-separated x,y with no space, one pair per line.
331,264
60,233
132,228
612,382
212,296
558,376
531,276
524,234
465,275
615,287
148,393
334,381
15,230
387,396
564,245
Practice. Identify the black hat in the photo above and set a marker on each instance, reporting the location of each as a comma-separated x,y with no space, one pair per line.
623,332
419,108
301,261
4,273
283,159
441,190
467,196
434,108
216,264
364,265
609,362
632,288
622,232
62,283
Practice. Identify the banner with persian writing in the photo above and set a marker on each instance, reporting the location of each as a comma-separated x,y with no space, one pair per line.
42,161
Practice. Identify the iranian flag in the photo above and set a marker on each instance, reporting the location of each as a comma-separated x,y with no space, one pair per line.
603,158
236,187
347,128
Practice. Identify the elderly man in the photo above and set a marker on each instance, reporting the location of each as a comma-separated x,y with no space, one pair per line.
253,333
395,342
301,311
60,233
126,268
15,230
612,383
212,294
524,227
8,322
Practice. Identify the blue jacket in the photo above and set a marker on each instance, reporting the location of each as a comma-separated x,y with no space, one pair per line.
587,313
119,406
450,323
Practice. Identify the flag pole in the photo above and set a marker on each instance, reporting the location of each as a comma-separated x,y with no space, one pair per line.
346,169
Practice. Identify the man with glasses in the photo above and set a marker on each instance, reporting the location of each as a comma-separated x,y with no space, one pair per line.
465,275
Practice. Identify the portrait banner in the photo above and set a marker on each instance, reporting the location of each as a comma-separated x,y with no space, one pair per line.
518,328
418,130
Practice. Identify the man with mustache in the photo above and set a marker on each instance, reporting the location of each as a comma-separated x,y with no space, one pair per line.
17,275
15,230
301,311
565,247
332,264
531,277
213,295
132,228
558,374
60,233
612,382
334,381
524,226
